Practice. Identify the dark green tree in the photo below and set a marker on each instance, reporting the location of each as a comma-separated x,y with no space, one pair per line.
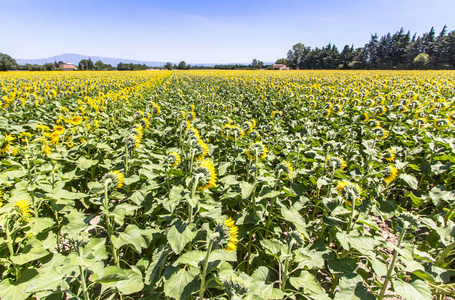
99,65
7,62
168,66
296,56
182,65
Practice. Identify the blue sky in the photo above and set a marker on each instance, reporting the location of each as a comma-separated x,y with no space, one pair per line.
205,31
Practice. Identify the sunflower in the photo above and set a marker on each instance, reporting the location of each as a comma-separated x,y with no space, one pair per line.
380,110
337,108
441,123
247,127
373,123
336,162
419,122
284,170
70,144
200,150
181,114
133,142
349,191
254,135
326,113
236,286
452,116
190,131
113,180
225,131
156,109
206,174
414,104
144,122
173,159
76,120
24,209
59,129
380,133
47,150
226,235
364,117
388,154
257,149
236,132
390,173
190,116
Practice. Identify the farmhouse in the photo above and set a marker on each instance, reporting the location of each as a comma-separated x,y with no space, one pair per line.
66,66
280,67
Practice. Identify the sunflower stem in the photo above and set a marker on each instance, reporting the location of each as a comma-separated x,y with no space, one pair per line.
109,228
204,270
82,277
351,219
8,238
391,266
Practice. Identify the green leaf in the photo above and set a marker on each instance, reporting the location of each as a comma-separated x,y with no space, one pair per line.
17,290
260,274
155,268
352,288
131,236
182,284
192,258
293,216
48,280
417,289
37,225
29,254
179,235
410,180
64,194
342,266
133,284
308,282
84,163
246,188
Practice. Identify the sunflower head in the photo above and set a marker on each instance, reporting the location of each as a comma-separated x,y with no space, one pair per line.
192,131
337,108
200,150
380,110
257,149
133,142
373,123
226,235
205,172
389,174
380,132
335,163
247,126
401,108
284,170
181,114
225,130
156,109
441,123
414,104
419,122
23,207
144,123
356,102
326,113
364,117
113,180
329,146
369,102
59,129
190,116
236,285
226,121
236,132
254,135
173,159
349,191
388,154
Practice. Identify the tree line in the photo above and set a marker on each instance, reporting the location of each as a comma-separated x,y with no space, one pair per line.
390,51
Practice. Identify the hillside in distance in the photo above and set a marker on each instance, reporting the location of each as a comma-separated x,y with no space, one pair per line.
76,58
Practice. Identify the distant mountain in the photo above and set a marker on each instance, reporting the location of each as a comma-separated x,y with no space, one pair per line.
76,58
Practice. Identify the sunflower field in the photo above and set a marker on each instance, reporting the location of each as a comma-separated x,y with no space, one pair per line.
227,185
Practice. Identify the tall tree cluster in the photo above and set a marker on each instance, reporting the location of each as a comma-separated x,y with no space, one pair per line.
391,51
